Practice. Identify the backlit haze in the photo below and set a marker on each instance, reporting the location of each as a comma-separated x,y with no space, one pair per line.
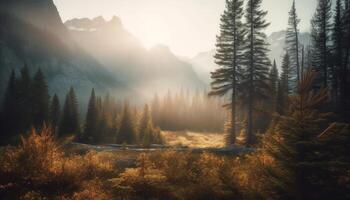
186,26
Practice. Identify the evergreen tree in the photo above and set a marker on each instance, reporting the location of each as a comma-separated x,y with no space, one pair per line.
25,102
308,160
9,112
40,99
91,120
284,85
255,78
127,131
55,112
229,56
286,79
274,85
70,117
292,41
337,40
320,33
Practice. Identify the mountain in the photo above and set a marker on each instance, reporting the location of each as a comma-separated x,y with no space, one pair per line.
147,71
204,63
32,33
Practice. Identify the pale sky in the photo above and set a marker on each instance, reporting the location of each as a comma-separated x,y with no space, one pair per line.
188,27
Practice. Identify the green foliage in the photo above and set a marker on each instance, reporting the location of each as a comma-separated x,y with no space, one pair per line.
300,158
55,113
127,132
292,43
255,77
41,99
91,121
229,56
70,116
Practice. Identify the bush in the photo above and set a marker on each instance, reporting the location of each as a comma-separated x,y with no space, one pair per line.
38,169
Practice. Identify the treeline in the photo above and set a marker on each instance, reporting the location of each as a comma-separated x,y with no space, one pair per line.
27,104
178,111
256,88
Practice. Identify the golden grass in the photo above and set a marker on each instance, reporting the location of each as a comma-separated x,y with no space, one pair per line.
194,140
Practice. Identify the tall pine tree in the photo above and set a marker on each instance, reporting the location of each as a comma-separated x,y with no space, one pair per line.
9,111
25,97
91,120
127,131
70,117
273,77
229,56
55,112
320,33
40,99
255,79
292,41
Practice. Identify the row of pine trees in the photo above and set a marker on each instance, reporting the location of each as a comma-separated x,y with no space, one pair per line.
254,84
178,111
27,104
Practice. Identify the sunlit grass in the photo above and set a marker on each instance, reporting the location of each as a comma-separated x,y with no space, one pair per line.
194,139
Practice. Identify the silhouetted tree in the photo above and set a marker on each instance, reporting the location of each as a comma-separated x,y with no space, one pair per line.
55,112
10,111
255,79
127,132
321,29
229,56
292,42
91,120
274,85
70,117
40,100
25,97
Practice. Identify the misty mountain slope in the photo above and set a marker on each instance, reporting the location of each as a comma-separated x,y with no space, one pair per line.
204,63
157,69
44,42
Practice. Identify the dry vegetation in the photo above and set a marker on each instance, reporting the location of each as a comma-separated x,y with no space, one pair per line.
40,169
194,139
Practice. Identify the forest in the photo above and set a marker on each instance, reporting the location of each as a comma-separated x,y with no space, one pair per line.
285,126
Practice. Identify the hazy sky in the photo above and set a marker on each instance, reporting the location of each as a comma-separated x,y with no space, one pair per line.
186,26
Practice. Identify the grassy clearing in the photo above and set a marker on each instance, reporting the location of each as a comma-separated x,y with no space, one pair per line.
194,139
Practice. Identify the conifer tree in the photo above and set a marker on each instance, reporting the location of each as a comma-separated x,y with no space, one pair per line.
127,131
40,99
55,112
9,112
308,160
274,85
70,117
337,40
255,78
91,120
229,56
320,33
286,80
292,42
25,100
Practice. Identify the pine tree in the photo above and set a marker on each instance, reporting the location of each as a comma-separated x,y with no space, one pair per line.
40,99
337,40
147,135
307,160
55,112
25,100
286,78
292,41
91,120
9,112
274,85
257,62
229,56
70,117
127,131
321,29
284,85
